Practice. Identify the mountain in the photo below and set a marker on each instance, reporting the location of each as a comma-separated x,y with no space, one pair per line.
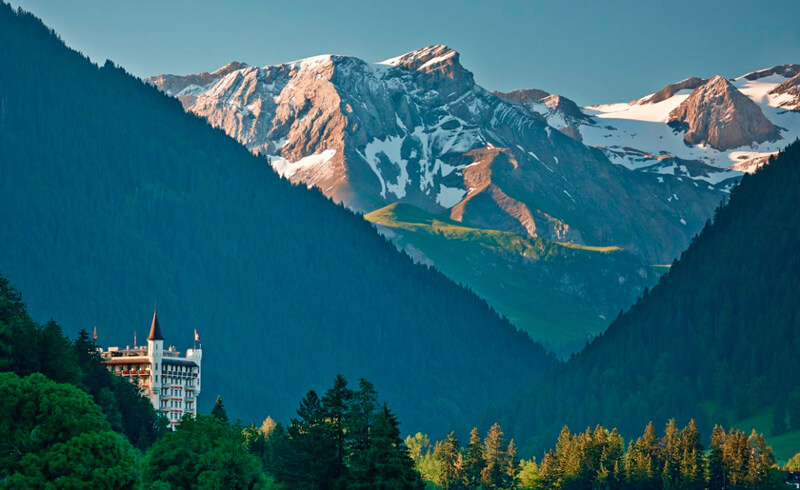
787,94
113,196
562,294
707,130
718,115
417,129
559,111
716,339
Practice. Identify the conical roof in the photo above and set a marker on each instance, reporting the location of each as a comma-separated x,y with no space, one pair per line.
155,328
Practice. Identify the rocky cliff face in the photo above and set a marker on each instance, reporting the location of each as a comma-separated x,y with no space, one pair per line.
186,88
670,90
787,94
559,111
418,129
718,115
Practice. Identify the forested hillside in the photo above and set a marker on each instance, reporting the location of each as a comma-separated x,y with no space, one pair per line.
716,339
112,196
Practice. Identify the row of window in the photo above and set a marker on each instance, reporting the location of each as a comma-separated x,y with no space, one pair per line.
171,404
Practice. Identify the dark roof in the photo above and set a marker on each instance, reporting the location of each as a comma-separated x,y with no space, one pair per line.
126,360
178,362
155,328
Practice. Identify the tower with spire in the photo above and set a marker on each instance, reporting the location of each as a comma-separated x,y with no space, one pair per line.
170,381
155,352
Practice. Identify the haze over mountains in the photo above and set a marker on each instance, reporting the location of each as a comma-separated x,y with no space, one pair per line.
635,178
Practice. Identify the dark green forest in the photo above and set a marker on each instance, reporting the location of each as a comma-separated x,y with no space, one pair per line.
716,339
27,347
112,197
70,423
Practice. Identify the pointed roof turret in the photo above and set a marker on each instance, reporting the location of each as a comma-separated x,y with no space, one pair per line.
155,328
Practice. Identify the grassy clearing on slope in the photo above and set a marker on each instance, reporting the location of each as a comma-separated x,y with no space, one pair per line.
785,445
590,248
509,271
411,218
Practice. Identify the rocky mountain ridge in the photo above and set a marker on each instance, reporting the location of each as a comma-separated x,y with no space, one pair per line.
718,115
418,129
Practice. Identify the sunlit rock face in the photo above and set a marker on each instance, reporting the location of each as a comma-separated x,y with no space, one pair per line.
418,129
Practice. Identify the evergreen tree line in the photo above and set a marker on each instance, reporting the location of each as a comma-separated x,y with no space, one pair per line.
27,347
343,440
716,340
599,459
112,195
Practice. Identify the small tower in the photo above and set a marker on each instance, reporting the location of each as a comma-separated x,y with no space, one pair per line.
193,390
155,352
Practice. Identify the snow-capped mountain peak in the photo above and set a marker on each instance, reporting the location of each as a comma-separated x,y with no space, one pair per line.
417,129
425,58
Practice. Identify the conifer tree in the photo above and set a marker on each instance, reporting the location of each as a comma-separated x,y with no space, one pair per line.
761,461
512,464
219,410
691,452
473,460
336,407
716,464
642,462
493,474
389,462
671,457
448,454
360,421
311,453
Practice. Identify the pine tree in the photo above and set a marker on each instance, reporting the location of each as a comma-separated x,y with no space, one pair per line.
761,461
219,410
493,474
473,460
336,407
389,462
512,464
448,453
716,464
360,421
671,457
310,459
642,462
691,453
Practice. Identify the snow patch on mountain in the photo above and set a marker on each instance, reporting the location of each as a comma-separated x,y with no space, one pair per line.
449,196
287,169
636,134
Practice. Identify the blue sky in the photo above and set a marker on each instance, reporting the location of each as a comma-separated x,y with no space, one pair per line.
591,51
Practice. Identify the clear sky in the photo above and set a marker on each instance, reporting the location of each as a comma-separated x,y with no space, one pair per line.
591,51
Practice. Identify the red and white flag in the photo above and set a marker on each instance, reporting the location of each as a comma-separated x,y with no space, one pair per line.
196,336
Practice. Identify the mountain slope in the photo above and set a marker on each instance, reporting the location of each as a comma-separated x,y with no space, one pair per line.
417,129
113,196
718,115
733,126
716,339
412,128
560,295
